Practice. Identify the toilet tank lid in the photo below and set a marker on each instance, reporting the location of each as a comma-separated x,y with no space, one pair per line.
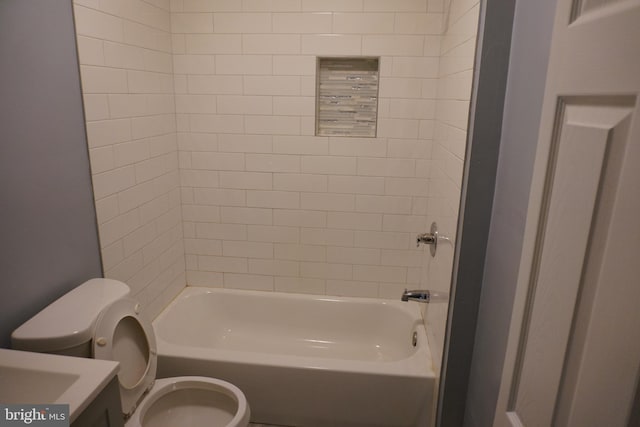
69,320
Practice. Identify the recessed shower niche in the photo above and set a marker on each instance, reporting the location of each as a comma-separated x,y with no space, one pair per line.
347,96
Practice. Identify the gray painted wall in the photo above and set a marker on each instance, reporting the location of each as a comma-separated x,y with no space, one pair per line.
48,235
530,44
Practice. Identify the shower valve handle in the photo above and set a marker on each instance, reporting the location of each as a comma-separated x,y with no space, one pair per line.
427,239
430,238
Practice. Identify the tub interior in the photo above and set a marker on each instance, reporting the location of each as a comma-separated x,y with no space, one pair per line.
308,327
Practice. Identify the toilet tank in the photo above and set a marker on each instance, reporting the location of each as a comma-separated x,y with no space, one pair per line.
66,325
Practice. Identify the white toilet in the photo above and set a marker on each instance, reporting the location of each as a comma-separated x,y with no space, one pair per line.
97,319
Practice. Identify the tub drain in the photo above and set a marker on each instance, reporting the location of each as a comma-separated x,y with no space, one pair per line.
414,339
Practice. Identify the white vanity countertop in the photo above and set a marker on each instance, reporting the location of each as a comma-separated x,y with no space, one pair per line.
39,378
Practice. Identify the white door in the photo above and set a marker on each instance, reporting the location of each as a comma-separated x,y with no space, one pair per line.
573,356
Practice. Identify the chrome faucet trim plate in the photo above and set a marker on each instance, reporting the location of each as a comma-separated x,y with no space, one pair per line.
430,238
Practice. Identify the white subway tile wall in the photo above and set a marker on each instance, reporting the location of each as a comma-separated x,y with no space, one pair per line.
266,204
126,65
449,142
201,121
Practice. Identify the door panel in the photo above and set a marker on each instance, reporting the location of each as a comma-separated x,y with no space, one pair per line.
581,7
598,384
576,163
573,356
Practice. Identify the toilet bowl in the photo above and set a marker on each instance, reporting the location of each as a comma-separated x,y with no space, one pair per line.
191,401
98,320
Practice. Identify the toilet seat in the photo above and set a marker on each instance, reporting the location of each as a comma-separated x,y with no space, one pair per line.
123,335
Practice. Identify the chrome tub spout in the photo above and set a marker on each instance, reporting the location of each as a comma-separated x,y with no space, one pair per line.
419,295
425,296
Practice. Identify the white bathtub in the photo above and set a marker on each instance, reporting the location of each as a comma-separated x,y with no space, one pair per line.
303,360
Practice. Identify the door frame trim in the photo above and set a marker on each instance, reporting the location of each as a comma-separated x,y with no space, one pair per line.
478,187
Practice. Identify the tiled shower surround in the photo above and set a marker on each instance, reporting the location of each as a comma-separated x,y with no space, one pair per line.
266,204
201,122
126,68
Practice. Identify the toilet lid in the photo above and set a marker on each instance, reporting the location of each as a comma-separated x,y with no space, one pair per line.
123,335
